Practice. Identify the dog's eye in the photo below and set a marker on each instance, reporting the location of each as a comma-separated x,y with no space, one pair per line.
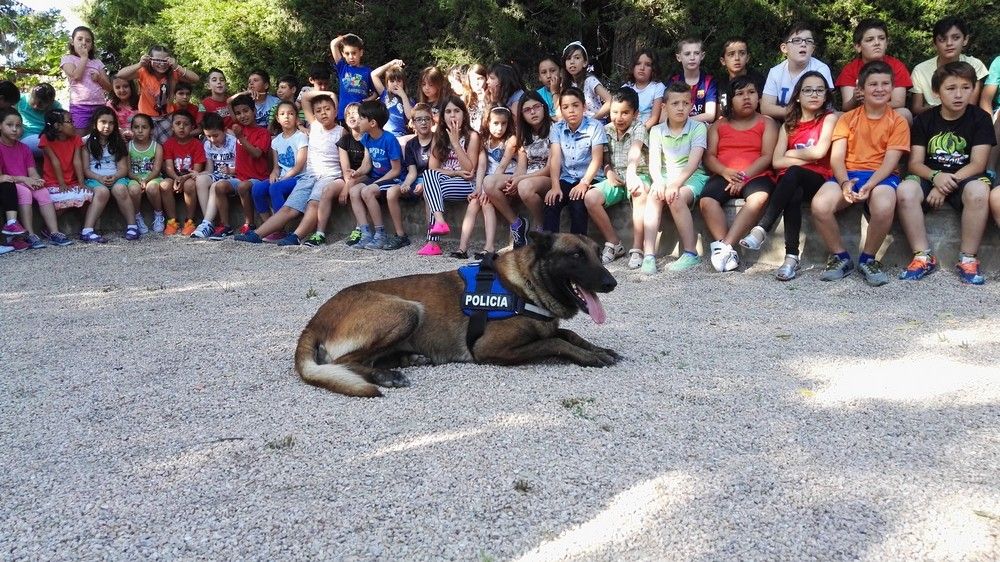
577,255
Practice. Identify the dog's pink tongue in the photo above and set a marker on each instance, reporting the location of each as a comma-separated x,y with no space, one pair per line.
594,307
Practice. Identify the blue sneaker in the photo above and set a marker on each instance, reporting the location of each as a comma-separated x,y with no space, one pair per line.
366,238
920,267
251,237
36,242
378,241
837,268
59,239
291,240
969,273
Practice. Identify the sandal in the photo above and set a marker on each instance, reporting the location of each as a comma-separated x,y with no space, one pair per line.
482,255
460,255
635,258
611,252
787,270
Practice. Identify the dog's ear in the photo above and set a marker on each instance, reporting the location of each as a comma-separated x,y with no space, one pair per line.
542,241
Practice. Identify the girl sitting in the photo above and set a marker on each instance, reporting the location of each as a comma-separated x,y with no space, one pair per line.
19,166
802,155
496,164
107,175
146,157
645,81
62,162
451,171
739,154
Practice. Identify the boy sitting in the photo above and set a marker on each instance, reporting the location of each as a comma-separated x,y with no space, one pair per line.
950,144
386,158
951,35
799,46
626,172
867,145
871,39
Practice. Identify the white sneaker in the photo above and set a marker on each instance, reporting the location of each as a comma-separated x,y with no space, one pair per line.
203,231
5,249
158,223
720,253
141,224
724,257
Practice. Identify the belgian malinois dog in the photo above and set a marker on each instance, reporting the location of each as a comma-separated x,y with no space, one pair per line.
358,336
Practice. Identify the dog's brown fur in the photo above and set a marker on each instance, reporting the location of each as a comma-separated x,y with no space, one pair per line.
363,331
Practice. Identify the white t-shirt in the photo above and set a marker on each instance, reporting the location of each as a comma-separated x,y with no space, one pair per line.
323,157
592,101
224,155
652,92
780,82
287,149
106,165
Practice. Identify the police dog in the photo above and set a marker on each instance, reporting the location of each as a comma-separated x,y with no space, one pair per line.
358,336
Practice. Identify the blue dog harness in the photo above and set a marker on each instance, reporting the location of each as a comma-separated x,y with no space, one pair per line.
485,299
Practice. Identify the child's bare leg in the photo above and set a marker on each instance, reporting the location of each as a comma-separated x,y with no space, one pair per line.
358,204
638,210
308,222
27,218
101,196
48,213
167,198
747,217
494,190
680,211
909,201
975,214
124,201
651,224
135,194
277,221
528,190
882,206
369,195
490,224
203,187
191,199
468,224
995,204
324,208
246,201
825,206
594,200
154,195
220,194
395,211
715,217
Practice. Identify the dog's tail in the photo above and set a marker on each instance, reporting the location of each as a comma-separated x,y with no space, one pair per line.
331,376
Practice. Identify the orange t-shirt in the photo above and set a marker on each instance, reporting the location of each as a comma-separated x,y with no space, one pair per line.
869,139
153,93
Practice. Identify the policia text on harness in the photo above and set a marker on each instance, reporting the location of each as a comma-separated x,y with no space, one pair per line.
486,299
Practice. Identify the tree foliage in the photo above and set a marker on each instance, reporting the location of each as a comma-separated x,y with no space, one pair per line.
31,42
286,36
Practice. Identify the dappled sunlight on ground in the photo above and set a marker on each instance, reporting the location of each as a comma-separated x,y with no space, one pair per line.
505,423
628,514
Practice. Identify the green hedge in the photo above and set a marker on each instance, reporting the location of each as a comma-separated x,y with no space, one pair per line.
287,36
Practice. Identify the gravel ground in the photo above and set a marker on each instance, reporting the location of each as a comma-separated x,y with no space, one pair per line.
150,411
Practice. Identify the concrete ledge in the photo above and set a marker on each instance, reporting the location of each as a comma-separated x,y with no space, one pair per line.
943,227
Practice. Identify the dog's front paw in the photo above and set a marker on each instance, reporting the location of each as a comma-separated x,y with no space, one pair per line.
612,353
390,379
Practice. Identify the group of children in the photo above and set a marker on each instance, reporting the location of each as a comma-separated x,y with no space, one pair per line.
480,135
